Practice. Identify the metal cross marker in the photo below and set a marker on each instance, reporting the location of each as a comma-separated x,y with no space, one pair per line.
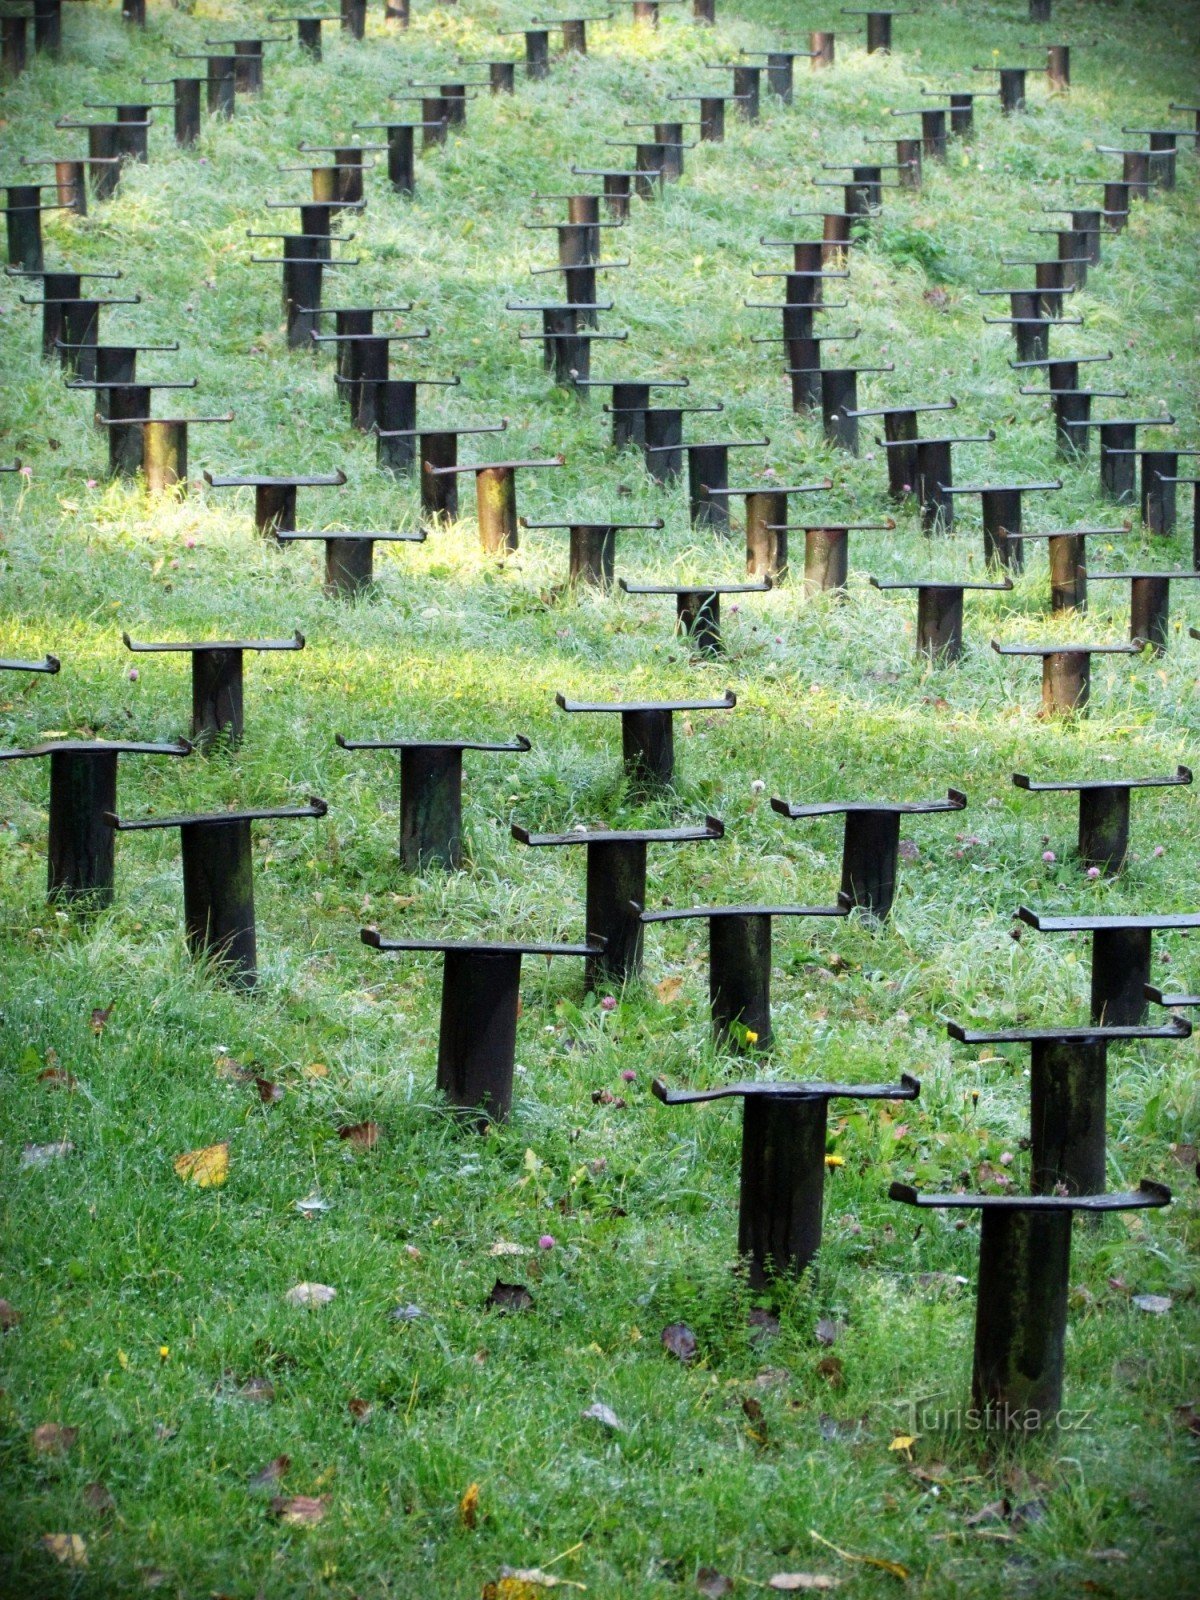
23,221
219,80
659,432
739,967
899,430
567,335
1103,812
708,476
308,31
350,557
647,732
218,881
712,113
931,481
275,498
619,185
1168,484
431,794
1159,475
908,162
574,30
879,27
1072,406
217,681
1068,563
1120,957
592,548
1117,438
1066,671
1149,603
630,402
962,107
934,139
433,446
837,389
1001,505
481,999
185,105
401,162
766,520
71,319
1021,1298
616,882
70,179
537,49
496,498
1142,170
784,1129
871,843
248,61
365,360
83,786
48,664
939,612
826,551
747,80
1012,85
1068,1093
698,607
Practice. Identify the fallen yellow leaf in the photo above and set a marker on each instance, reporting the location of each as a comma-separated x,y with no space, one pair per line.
468,1506
68,1548
893,1568
207,1168
669,989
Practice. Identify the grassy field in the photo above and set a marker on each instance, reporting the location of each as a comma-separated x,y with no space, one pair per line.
153,1313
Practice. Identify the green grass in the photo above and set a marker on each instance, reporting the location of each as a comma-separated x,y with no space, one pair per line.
111,1260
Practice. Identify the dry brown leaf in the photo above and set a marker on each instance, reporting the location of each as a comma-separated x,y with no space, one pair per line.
207,1168
830,1368
362,1135
360,1410
268,1476
49,1439
301,1510
9,1316
668,990
525,1583
310,1294
713,1584
100,1016
678,1340
58,1078
228,1067
269,1093
67,1548
97,1498
468,1506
